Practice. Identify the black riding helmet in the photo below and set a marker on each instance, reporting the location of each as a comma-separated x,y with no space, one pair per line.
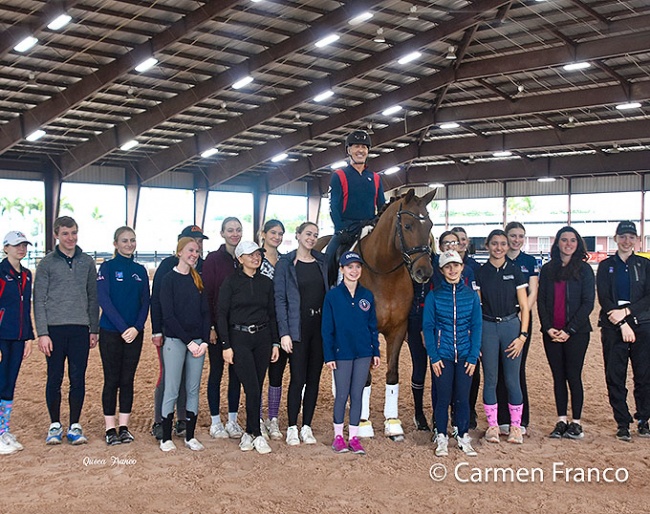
358,137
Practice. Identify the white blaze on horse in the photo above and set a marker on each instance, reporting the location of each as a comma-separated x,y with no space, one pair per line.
395,253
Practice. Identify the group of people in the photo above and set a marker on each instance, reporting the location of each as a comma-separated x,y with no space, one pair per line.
255,309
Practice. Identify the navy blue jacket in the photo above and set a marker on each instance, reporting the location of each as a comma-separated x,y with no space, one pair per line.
186,315
349,325
123,293
452,323
361,203
287,293
15,303
580,295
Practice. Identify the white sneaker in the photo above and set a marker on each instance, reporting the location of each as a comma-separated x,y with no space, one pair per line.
441,449
273,428
12,439
264,431
194,445
167,446
218,432
246,443
306,435
504,429
6,446
292,436
261,445
234,430
523,430
465,445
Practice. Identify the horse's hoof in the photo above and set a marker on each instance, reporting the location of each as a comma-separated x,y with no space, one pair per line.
365,430
393,428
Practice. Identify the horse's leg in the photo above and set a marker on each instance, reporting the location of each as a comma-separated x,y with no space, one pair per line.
365,425
392,425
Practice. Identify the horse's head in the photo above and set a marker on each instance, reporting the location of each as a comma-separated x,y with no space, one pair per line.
413,229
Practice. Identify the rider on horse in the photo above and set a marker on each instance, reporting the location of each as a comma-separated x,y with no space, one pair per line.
356,195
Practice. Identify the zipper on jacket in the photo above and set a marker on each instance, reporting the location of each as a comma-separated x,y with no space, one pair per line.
453,293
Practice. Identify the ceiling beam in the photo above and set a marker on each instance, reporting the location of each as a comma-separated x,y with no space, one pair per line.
93,150
16,130
177,154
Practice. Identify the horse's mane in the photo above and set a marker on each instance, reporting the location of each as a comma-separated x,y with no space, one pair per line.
390,202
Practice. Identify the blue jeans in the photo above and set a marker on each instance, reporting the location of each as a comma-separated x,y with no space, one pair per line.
454,383
12,358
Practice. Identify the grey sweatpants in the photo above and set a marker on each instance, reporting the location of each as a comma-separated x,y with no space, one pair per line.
350,379
177,357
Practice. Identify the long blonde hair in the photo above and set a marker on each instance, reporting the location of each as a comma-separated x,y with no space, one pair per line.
182,243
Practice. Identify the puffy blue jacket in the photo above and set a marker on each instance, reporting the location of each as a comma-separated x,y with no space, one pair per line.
15,303
452,323
349,325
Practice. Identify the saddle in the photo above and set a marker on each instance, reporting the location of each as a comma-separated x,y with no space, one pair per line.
348,240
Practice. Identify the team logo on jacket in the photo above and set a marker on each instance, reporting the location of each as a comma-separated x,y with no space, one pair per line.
119,276
508,277
364,305
136,277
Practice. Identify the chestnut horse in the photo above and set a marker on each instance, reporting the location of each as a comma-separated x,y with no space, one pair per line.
396,252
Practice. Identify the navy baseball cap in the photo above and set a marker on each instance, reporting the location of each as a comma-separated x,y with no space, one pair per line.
350,257
193,231
626,227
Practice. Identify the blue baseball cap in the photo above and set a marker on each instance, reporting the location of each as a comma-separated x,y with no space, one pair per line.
350,257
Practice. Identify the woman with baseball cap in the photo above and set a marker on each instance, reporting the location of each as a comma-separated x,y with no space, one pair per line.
452,333
248,332
300,287
350,347
16,330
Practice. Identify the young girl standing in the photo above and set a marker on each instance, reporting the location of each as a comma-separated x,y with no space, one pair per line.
16,330
123,293
350,346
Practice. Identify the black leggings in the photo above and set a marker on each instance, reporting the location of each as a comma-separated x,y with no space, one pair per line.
214,382
306,364
252,354
276,369
566,360
119,360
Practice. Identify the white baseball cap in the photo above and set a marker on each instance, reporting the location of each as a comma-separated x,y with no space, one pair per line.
14,238
246,248
450,256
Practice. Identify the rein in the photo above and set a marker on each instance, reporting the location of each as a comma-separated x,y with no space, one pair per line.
406,252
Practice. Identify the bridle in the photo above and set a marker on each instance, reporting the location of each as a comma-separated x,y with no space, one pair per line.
407,253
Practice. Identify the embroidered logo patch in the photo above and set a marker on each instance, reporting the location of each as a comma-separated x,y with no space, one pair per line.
508,277
119,276
136,277
364,305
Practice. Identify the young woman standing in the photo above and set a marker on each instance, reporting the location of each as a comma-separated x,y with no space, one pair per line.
452,331
530,269
217,267
271,237
186,321
300,287
566,298
123,294
350,347
502,287
16,331
249,335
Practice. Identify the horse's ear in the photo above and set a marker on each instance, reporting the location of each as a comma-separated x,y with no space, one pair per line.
409,195
426,199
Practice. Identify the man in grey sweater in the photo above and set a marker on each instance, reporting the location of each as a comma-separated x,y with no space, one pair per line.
66,313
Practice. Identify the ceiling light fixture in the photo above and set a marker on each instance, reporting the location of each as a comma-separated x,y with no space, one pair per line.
392,170
279,157
59,22
451,53
327,40
36,135
223,109
410,57
436,185
576,66
147,64
546,179
615,148
369,129
449,125
413,13
360,18
26,44
379,38
129,145
571,123
502,153
338,165
471,160
392,110
628,106
242,82
324,96
209,152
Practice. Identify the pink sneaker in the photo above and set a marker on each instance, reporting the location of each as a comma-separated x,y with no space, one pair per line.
355,446
339,445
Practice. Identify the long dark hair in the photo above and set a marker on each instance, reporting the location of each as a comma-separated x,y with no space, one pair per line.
572,269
